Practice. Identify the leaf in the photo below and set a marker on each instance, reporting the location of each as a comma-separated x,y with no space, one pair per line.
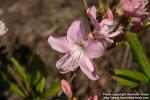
38,65
40,86
4,76
35,78
13,87
53,89
124,82
101,6
38,73
138,52
20,70
132,74
145,22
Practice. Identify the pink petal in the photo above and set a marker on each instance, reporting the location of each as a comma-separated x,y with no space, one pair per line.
109,14
108,40
107,26
114,34
123,7
67,63
95,49
59,44
66,88
136,20
91,12
87,67
3,28
76,32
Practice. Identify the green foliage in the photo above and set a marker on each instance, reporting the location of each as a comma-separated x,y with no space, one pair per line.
38,73
53,89
38,65
29,84
101,6
127,77
20,70
12,86
15,88
124,82
41,85
145,22
138,52
132,74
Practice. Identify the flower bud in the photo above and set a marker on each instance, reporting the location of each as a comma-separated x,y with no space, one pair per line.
66,88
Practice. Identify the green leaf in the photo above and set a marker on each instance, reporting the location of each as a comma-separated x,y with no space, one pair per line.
40,86
53,89
101,6
35,78
38,65
38,73
4,76
132,74
138,52
13,87
20,70
124,82
145,22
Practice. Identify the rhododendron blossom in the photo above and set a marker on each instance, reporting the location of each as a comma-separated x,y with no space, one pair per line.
104,29
135,8
66,88
3,28
79,51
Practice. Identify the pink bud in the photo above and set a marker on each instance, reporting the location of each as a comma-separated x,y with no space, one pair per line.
95,97
66,88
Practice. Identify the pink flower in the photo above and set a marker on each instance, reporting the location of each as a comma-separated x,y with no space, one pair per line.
104,29
79,51
95,97
134,8
3,28
66,88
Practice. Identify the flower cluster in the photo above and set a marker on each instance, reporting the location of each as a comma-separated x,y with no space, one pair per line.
104,30
81,48
133,8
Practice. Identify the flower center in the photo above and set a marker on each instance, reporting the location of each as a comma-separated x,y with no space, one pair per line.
70,62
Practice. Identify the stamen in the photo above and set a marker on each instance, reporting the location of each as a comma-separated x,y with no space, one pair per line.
71,63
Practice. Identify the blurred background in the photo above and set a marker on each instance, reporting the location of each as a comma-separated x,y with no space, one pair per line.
31,22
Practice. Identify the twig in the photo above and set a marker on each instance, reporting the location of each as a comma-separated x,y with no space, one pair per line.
74,75
85,4
125,57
